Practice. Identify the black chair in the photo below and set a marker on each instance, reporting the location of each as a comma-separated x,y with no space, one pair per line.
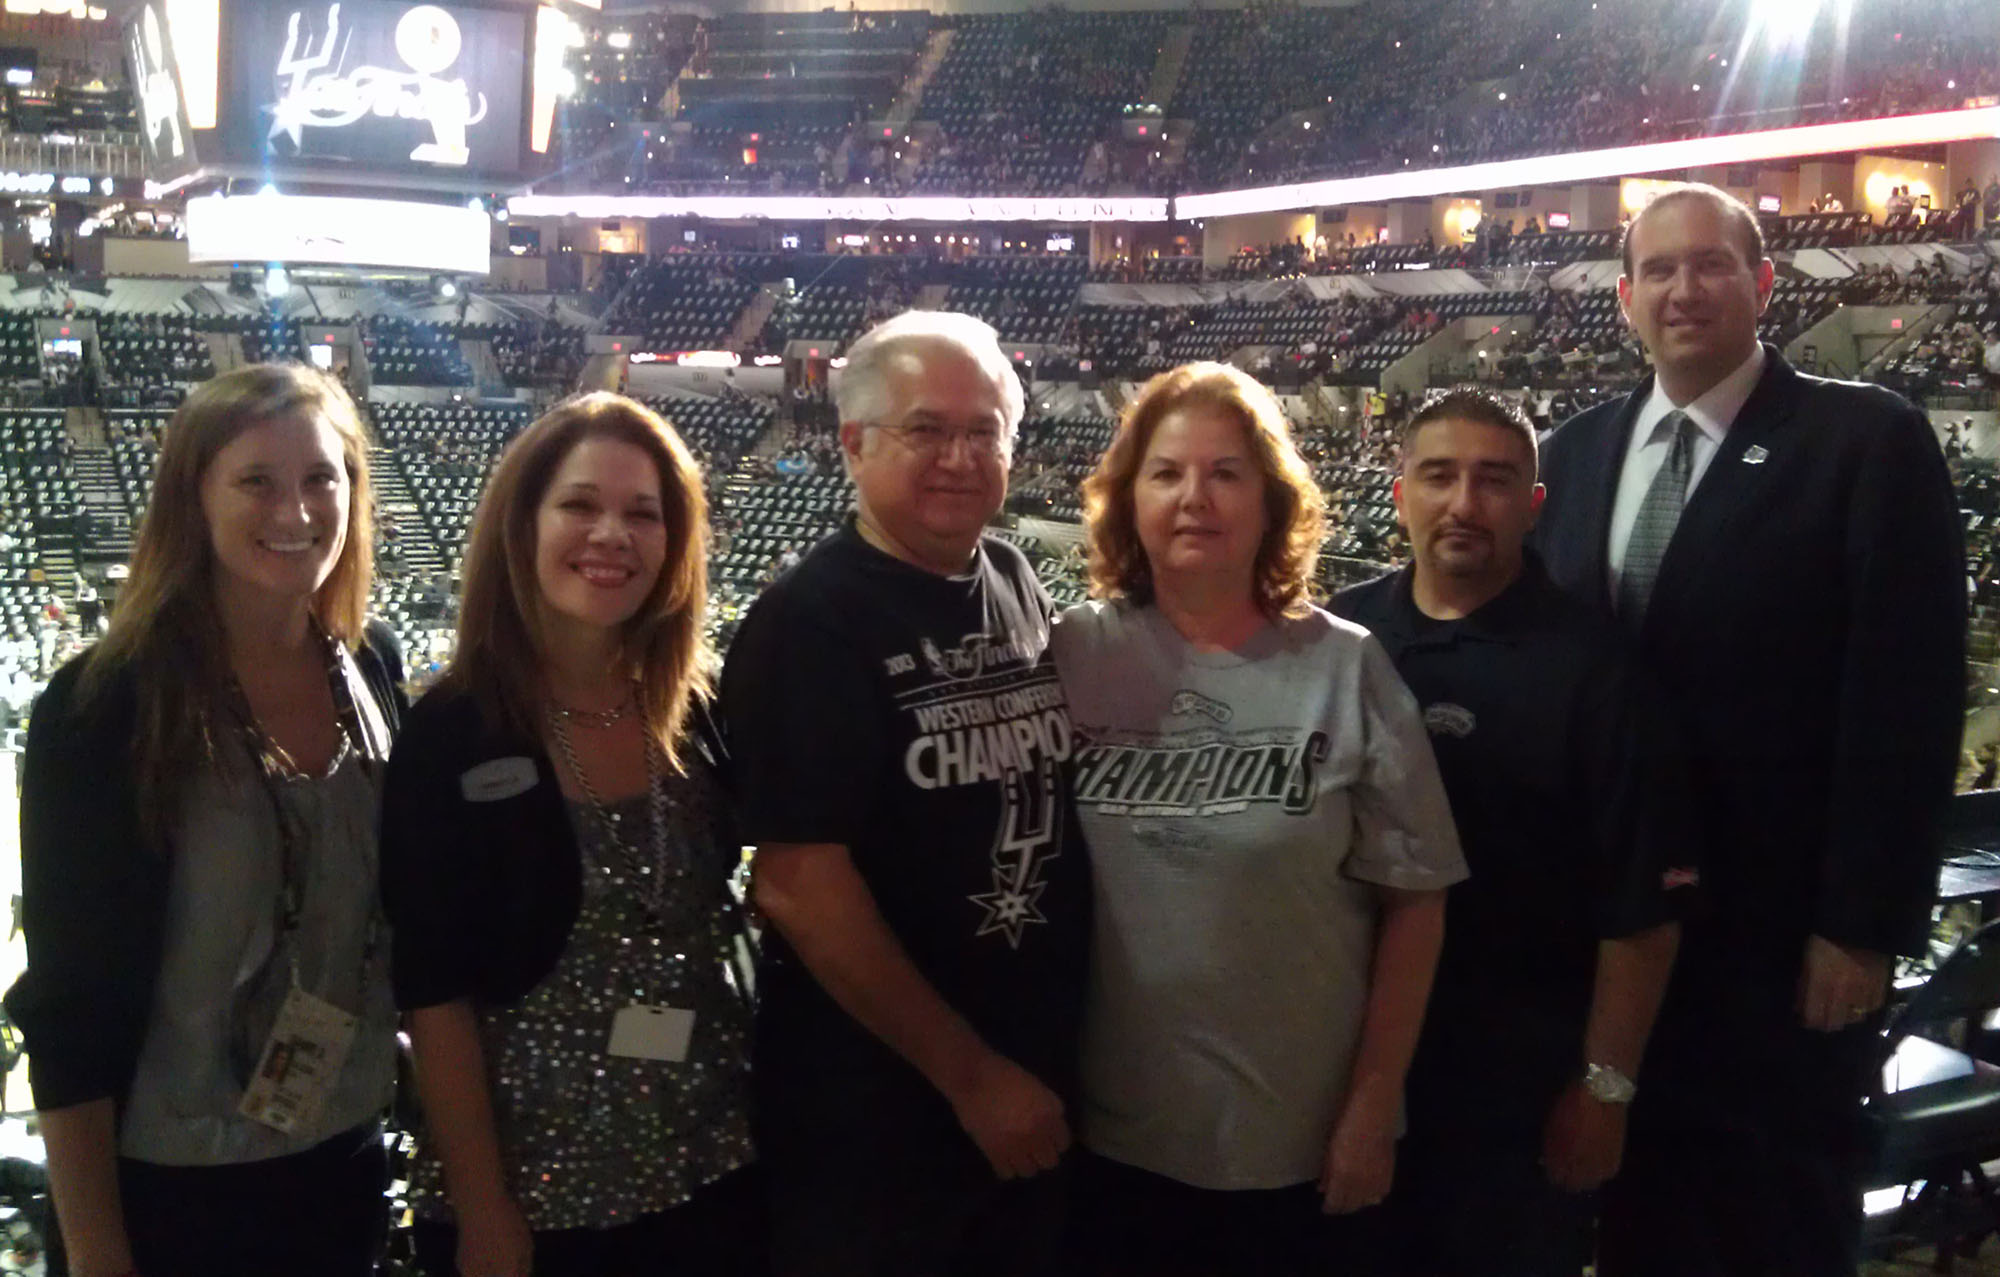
1936,1114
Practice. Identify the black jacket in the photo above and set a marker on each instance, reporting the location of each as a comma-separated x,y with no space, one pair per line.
1809,623
94,891
482,877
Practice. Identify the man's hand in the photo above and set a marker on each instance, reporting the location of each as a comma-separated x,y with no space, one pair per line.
1839,986
1361,1156
1015,1119
1583,1141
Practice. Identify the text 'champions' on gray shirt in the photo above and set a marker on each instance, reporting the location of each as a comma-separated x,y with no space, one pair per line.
1240,808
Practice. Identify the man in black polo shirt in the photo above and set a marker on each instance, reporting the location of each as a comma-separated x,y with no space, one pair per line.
899,732
1566,799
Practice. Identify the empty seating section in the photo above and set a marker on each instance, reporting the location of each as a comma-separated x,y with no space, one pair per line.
788,513
1360,518
1273,93
1022,97
446,451
825,312
267,341
545,354
407,352
690,303
151,349
1052,458
719,430
36,482
1027,299
135,448
769,98
20,355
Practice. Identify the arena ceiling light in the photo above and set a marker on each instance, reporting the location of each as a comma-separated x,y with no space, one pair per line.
1620,161
922,208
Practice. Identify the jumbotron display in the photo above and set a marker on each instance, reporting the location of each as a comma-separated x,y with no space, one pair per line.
376,83
382,90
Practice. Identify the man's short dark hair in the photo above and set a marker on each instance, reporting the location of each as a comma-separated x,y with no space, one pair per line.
1482,407
1749,232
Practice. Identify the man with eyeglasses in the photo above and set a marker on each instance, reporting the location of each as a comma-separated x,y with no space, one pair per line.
899,733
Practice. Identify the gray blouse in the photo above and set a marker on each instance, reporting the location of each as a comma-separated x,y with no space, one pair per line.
223,969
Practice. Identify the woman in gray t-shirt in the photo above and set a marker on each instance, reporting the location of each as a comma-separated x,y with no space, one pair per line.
1270,844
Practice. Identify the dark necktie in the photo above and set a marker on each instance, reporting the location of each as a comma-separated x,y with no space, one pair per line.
1654,528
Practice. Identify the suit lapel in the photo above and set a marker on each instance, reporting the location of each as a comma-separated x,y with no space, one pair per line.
1732,486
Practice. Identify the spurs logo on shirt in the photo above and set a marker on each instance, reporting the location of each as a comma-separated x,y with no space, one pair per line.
987,714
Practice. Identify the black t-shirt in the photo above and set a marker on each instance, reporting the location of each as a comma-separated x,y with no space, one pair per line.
917,720
1572,807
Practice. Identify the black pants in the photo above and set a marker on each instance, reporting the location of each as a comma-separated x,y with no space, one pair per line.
719,1232
1748,1147
1480,1205
320,1213
911,1202
1131,1221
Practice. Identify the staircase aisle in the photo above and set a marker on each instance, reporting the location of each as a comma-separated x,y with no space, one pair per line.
416,548
103,498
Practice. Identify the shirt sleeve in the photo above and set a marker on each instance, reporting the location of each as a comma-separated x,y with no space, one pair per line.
1403,832
1631,775
82,1003
803,717
430,875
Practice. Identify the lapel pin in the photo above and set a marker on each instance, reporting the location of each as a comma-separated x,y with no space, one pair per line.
1754,454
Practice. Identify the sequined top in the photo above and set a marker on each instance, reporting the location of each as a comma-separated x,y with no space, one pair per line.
591,1140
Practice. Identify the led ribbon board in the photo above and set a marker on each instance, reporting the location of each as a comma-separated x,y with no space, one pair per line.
325,230
923,208
1621,161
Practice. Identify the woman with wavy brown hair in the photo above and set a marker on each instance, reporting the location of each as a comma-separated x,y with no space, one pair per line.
556,860
1269,842
207,1002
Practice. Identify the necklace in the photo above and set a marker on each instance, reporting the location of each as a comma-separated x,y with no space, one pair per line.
592,717
645,861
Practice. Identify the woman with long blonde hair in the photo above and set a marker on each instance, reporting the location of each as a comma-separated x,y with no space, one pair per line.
206,1002
556,860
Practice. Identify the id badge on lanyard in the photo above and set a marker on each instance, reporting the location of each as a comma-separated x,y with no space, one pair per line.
300,1062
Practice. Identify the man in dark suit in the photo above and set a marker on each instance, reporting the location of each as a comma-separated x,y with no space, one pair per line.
1785,551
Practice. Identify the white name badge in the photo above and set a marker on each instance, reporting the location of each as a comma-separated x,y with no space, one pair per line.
501,778
300,1063
651,1033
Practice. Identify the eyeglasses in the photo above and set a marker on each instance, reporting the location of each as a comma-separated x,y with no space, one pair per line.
928,439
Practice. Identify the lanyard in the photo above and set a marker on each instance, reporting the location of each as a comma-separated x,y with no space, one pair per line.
361,731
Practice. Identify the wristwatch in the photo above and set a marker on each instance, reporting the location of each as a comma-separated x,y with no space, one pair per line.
1608,1085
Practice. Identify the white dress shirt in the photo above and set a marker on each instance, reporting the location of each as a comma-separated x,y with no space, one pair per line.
1712,414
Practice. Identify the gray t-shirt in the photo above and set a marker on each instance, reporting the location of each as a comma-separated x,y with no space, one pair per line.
1239,807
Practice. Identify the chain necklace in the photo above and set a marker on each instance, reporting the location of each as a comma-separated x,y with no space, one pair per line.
593,717
648,870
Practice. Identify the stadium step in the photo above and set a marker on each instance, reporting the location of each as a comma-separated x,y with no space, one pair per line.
103,500
904,109
415,552
1168,67
751,322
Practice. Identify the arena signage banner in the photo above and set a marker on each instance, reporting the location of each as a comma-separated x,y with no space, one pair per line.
922,208
377,83
329,231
